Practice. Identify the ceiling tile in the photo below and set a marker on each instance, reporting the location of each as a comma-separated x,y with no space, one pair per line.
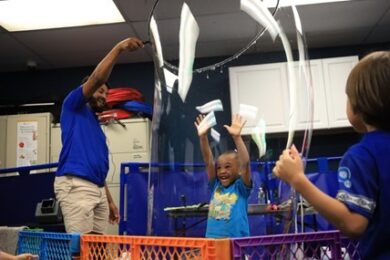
224,29
75,40
139,10
92,58
217,28
14,55
381,32
214,48
342,15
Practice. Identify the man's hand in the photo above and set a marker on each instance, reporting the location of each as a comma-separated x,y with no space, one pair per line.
114,213
131,44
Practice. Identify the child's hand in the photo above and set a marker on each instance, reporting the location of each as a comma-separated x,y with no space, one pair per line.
289,167
201,130
237,124
26,257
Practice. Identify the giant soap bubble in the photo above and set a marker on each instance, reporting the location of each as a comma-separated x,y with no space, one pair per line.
177,183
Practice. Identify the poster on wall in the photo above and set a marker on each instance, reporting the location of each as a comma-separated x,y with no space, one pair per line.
27,143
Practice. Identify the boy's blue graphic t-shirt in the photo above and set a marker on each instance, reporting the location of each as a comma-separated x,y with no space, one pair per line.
84,149
364,180
228,210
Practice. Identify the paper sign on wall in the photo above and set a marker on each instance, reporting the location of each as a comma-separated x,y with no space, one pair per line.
27,143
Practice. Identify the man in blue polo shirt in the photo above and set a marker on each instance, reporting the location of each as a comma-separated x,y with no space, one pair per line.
79,185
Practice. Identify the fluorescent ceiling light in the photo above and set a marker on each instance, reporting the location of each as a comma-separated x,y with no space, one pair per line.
25,15
272,3
37,104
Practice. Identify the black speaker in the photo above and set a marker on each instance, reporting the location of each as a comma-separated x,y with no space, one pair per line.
48,211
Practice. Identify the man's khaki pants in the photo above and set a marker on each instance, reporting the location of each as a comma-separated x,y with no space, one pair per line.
84,205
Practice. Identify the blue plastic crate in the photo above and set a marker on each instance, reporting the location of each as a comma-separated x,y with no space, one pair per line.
49,245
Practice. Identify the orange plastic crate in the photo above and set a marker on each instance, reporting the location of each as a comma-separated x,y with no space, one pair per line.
152,248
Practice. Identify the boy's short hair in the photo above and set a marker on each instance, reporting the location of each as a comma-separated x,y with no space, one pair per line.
233,152
85,79
368,89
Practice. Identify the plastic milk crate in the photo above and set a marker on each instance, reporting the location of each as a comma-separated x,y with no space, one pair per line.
153,248
311,245
49,245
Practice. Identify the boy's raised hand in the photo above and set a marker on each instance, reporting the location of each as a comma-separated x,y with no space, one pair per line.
201,130
236,126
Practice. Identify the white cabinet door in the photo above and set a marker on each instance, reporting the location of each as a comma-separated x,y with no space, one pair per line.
265,87
320,118
127,143
132,136
116,159
55,143
336,71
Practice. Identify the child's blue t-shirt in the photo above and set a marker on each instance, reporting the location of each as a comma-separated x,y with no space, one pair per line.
364,176
228,210
84,149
